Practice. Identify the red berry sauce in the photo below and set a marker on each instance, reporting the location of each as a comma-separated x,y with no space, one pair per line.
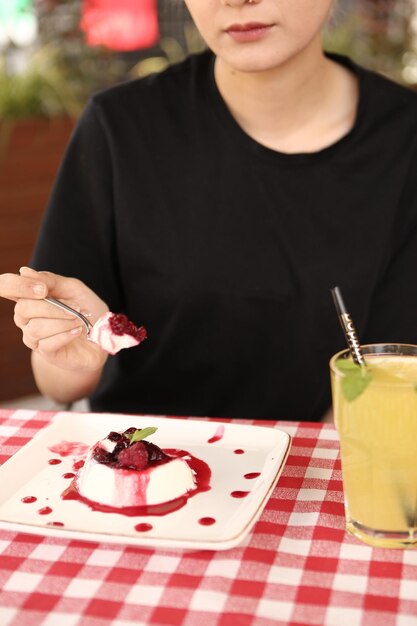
69,448
217,435
121,325
143,528
46,510
28,499
206,521
252,475
239,494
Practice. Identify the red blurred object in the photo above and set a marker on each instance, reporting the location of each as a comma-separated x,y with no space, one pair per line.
120,24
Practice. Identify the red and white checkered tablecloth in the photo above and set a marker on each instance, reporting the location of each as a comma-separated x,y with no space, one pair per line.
297,567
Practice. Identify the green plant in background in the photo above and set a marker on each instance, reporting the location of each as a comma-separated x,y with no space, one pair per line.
171,52
43,89
377,34
56,75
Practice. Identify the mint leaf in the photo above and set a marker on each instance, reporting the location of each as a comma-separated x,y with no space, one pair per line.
141,433
347,365
355,379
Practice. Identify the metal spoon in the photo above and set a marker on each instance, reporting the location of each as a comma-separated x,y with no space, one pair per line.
69,309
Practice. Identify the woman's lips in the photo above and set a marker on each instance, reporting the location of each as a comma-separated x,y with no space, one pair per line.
252,31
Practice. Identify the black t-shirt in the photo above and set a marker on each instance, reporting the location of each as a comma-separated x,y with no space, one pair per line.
226,250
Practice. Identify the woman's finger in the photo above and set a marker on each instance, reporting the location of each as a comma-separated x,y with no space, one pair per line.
70,290
55,343
26,310
13,287
60,286
39,330
63,351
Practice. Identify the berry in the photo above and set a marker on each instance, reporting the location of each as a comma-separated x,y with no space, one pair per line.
119,447
154,452
102,456
121,325
134,456
113,436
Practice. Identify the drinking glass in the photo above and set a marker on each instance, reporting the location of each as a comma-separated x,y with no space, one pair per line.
375,411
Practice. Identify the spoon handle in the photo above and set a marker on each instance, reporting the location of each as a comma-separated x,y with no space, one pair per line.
69,309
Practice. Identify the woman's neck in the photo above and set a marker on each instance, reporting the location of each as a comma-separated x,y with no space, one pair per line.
301,106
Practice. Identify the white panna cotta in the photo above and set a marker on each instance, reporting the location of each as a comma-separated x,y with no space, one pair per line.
110,484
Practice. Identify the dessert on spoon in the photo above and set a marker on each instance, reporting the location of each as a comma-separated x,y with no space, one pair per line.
112,331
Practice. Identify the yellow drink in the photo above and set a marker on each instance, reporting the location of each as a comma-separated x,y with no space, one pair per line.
377,426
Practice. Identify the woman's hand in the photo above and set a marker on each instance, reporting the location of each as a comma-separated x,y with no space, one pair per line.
56,336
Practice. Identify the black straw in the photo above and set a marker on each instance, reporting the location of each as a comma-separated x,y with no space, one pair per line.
348,328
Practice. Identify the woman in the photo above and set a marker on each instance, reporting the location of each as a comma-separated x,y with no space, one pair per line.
217,204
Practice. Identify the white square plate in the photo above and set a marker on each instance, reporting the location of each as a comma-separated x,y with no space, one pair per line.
28,474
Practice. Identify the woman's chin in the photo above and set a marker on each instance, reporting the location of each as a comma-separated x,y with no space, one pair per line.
250,62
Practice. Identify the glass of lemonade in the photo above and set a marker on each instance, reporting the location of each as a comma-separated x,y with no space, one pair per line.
375,410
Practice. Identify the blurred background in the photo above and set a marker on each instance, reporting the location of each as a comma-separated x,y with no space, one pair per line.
55,53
